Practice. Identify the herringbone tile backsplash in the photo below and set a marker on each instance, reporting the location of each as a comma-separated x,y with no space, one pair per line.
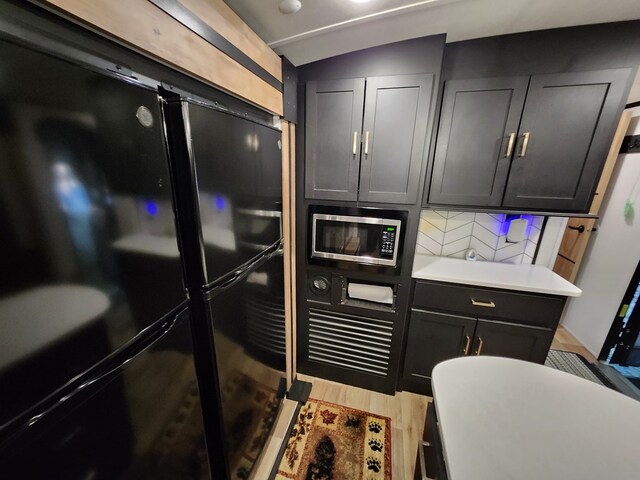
451,234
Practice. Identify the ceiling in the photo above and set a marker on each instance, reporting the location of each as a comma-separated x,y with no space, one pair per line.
325,28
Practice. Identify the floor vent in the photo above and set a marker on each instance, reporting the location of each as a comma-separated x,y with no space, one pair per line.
362,344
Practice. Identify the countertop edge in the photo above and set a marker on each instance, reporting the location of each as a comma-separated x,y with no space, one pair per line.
501,286
454,271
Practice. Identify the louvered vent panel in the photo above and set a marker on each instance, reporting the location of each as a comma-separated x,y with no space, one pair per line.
362,344
265,323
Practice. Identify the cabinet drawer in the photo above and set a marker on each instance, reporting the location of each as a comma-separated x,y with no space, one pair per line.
517,307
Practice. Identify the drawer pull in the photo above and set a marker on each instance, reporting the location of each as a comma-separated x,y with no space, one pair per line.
466,348
510,145
525,144
476,303
479,346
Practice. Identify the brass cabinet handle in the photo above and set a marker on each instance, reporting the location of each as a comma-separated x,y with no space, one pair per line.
366,143
525,143
355,143
512,137
466,348
476,303
479,346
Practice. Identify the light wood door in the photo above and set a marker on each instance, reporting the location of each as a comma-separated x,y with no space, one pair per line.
576,237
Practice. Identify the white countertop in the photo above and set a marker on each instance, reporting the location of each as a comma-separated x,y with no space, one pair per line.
504,419
146,244
528,278
36,318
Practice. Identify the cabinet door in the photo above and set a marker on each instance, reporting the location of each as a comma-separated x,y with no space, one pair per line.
513,341
433,338
566,130
476,136
332,147
396,115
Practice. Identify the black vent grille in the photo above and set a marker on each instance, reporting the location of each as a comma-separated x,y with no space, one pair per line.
362,344
265,323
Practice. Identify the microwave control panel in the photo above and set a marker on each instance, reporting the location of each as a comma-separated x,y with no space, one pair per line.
388,241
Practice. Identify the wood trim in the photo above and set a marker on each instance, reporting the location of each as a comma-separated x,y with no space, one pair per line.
223,20
610,163
141,25
286,234
294,295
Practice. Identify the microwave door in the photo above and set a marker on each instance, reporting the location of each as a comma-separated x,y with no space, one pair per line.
365,240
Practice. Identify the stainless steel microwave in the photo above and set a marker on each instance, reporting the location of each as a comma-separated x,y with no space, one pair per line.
370,237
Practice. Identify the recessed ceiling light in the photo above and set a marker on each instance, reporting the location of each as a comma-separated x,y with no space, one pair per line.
289,6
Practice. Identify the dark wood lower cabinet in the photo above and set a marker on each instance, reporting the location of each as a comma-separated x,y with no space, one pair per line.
513,341
433,338
445,323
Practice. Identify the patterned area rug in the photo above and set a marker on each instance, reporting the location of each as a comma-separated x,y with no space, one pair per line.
251,409
331,442
577,365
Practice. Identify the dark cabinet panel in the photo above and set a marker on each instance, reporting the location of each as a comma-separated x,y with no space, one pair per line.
517,325
509,306
394,129
433,338
332,150
513,341
478,126
565,133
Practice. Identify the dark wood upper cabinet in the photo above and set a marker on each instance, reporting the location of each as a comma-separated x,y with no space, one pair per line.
333,127
370,151
478,127
394,128
545,153
565,133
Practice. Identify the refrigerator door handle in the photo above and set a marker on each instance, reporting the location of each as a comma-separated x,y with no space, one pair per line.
141,342
212,289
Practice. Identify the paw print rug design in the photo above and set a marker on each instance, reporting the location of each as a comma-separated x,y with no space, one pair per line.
331,442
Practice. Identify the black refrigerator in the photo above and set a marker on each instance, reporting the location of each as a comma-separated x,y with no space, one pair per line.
136,299
97,376
228,170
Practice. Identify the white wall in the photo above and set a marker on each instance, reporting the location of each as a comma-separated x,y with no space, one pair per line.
611,257
551,240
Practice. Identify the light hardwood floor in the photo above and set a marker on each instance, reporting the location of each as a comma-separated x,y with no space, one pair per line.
406,410
563,340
